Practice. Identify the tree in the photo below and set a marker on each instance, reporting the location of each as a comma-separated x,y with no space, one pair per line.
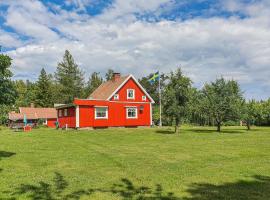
69,78
109,74
176,97
249,112
222,100
43,90
196,113
94,81
7,90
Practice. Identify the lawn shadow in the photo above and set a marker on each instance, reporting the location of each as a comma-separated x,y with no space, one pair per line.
258,188
125,190
227,131
5,154
48,191
166,131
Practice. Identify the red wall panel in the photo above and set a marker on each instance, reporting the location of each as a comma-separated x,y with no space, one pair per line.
51,123
70,119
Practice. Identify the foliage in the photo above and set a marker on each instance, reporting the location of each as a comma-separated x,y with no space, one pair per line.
109,74
249,113
26,93
94,81
4,110
43,92
176,97
7,90
69,78
222,101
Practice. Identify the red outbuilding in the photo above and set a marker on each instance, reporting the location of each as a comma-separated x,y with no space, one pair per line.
33,115
120,102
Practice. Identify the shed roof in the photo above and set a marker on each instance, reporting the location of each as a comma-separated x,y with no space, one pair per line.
33,113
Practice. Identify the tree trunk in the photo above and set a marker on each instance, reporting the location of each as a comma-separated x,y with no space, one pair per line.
248,125
176,126
218,127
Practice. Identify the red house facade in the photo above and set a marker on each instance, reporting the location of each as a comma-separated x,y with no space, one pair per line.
120,102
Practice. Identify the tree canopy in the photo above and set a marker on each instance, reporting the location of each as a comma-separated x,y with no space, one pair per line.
43,92
176,96
70,79
223,100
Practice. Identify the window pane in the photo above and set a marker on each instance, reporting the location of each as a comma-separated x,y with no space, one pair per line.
101,112
131,112
131,93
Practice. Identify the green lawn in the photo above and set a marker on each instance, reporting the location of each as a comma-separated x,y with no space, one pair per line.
145,164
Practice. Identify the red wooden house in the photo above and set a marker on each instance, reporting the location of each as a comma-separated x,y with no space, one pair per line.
120,102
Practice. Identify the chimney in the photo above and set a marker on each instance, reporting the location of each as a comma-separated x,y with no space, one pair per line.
116,76
32,105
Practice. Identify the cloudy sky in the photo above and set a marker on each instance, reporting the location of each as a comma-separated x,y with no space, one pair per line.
207,38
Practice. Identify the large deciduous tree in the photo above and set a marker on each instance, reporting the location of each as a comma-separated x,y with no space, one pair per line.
223,101
176,97
249,113
7,91
69,78
43,92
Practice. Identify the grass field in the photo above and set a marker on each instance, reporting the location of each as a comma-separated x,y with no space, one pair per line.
146,164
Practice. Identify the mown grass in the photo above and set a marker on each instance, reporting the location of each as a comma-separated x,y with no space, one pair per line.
197,164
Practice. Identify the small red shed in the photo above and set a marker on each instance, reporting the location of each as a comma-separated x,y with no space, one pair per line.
120,102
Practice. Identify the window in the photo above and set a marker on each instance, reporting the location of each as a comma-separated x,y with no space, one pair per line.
130,94
65,112
144,98
131,113
116,97
101,113
60,113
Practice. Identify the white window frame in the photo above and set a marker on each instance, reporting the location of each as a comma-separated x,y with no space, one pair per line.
116,97
133,93
60,114
143,98
65,112
97,107
136,112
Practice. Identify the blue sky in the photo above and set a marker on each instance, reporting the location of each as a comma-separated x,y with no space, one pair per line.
207,38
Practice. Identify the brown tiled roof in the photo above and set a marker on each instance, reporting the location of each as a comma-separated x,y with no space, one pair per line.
105,90
15,116
38,113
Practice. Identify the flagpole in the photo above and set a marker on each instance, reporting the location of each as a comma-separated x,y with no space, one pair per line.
159,91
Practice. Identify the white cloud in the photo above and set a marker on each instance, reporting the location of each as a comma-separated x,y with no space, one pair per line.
205,48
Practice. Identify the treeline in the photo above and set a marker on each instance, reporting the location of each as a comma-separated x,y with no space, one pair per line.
218,103
68,82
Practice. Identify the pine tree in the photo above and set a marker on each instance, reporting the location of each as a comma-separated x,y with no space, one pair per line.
43,91
94,81
69,78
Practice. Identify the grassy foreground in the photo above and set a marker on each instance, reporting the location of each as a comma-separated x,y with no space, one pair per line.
154,164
